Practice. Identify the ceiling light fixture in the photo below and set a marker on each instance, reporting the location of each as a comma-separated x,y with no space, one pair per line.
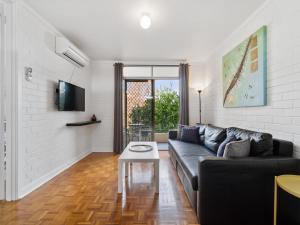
145,21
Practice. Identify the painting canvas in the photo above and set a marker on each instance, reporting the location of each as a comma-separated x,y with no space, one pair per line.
245,72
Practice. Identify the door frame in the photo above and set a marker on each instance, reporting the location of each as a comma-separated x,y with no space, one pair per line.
12,105
2,138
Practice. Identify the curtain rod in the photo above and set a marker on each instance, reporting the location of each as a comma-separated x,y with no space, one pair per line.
138,65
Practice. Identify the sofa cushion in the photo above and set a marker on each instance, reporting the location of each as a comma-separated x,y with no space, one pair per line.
179,131
190,134
214,136
201,132
189,149
173,134
261,144
237,149
201,128
222,146
283,148
187,155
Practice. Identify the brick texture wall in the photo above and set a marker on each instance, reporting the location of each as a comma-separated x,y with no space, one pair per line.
281,116
48,146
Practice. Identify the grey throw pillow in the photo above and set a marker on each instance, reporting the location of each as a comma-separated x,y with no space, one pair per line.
237,149
222,146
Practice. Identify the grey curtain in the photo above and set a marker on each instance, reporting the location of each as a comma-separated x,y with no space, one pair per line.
184,94
118,106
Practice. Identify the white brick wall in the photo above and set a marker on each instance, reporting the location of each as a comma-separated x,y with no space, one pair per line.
48,146
281,116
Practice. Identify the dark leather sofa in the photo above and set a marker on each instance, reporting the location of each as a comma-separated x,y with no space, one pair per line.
234,191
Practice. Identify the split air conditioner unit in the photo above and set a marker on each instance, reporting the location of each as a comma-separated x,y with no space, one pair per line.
68,51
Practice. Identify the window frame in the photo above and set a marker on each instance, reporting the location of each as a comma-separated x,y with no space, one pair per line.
152,77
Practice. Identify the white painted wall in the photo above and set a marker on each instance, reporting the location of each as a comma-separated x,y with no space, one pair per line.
103,105
197,70
281,117
48,146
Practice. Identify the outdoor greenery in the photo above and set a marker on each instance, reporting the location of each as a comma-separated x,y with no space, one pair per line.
166,111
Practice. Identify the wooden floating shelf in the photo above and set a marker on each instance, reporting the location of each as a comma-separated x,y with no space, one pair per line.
84,123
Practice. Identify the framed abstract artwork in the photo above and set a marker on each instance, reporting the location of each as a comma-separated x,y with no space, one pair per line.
245,72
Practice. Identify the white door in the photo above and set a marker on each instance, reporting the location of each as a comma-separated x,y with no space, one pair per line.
2,119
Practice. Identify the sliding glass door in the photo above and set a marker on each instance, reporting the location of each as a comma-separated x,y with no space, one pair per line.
151,106
139,110
166,110
151,109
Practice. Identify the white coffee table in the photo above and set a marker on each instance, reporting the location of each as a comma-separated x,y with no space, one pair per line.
128,157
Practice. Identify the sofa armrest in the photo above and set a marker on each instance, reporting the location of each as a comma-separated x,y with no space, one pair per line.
173,134
239,191
283,148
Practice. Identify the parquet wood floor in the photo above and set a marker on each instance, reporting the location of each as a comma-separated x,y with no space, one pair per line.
86,194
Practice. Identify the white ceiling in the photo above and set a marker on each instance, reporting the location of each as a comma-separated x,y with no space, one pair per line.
181,29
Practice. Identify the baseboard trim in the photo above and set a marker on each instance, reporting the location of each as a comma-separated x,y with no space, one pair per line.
103,151
44,179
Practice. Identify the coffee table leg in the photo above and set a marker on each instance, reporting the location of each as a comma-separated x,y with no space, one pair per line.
126,168
120,177
157,176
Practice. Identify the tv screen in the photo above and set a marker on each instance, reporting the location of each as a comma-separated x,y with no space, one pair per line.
70,97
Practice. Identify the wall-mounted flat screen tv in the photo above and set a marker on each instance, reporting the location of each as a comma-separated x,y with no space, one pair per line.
70,97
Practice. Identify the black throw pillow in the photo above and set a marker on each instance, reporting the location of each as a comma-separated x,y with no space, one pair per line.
190,134
222,146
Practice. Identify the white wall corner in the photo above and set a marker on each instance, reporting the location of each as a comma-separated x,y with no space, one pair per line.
50,175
